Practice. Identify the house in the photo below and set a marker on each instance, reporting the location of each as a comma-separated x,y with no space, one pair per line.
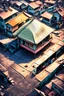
16,33
24,5
61,12
50,2
51,9
52,19
49,72
57,20
33,8
5,16
35,36
39,2
15,23
45,8
46,17
52,87
20,6
58,84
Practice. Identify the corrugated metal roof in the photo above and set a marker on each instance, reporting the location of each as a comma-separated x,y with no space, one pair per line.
47,15
61,76
52,67
34,5
18,19
39,2
61,11
21,28
42,75
35,32
7,14
50,1
58,83
18,3
26,3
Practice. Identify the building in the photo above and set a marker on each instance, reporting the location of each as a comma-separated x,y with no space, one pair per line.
20,6
5,16
46,18
54,20
39,2
35,36
61,12
57,20
33,8
50,2
15,23
58,84
49,72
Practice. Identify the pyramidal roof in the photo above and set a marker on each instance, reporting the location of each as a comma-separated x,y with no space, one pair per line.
35,32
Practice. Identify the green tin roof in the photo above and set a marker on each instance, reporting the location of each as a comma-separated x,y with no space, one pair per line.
21,28
27,35
35,32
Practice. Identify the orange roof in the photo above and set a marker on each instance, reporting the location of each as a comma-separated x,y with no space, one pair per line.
18,3
34,5
46,15
61,76
18,19
39,2
61,11
7,14
50,1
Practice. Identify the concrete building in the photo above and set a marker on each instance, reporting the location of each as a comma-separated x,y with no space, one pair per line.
5,16
15,23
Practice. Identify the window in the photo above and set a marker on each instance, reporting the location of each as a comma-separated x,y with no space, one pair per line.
21,41
27,44
1,19
30,45
2,26
55,18
16,6
46,19
8,28
30,8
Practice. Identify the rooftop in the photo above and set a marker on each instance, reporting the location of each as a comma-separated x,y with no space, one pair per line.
39,2
52,67
35,34
61,11
59,83
50,1
47,15
61,76
18,3
34,5
9,13
42,75
18,19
